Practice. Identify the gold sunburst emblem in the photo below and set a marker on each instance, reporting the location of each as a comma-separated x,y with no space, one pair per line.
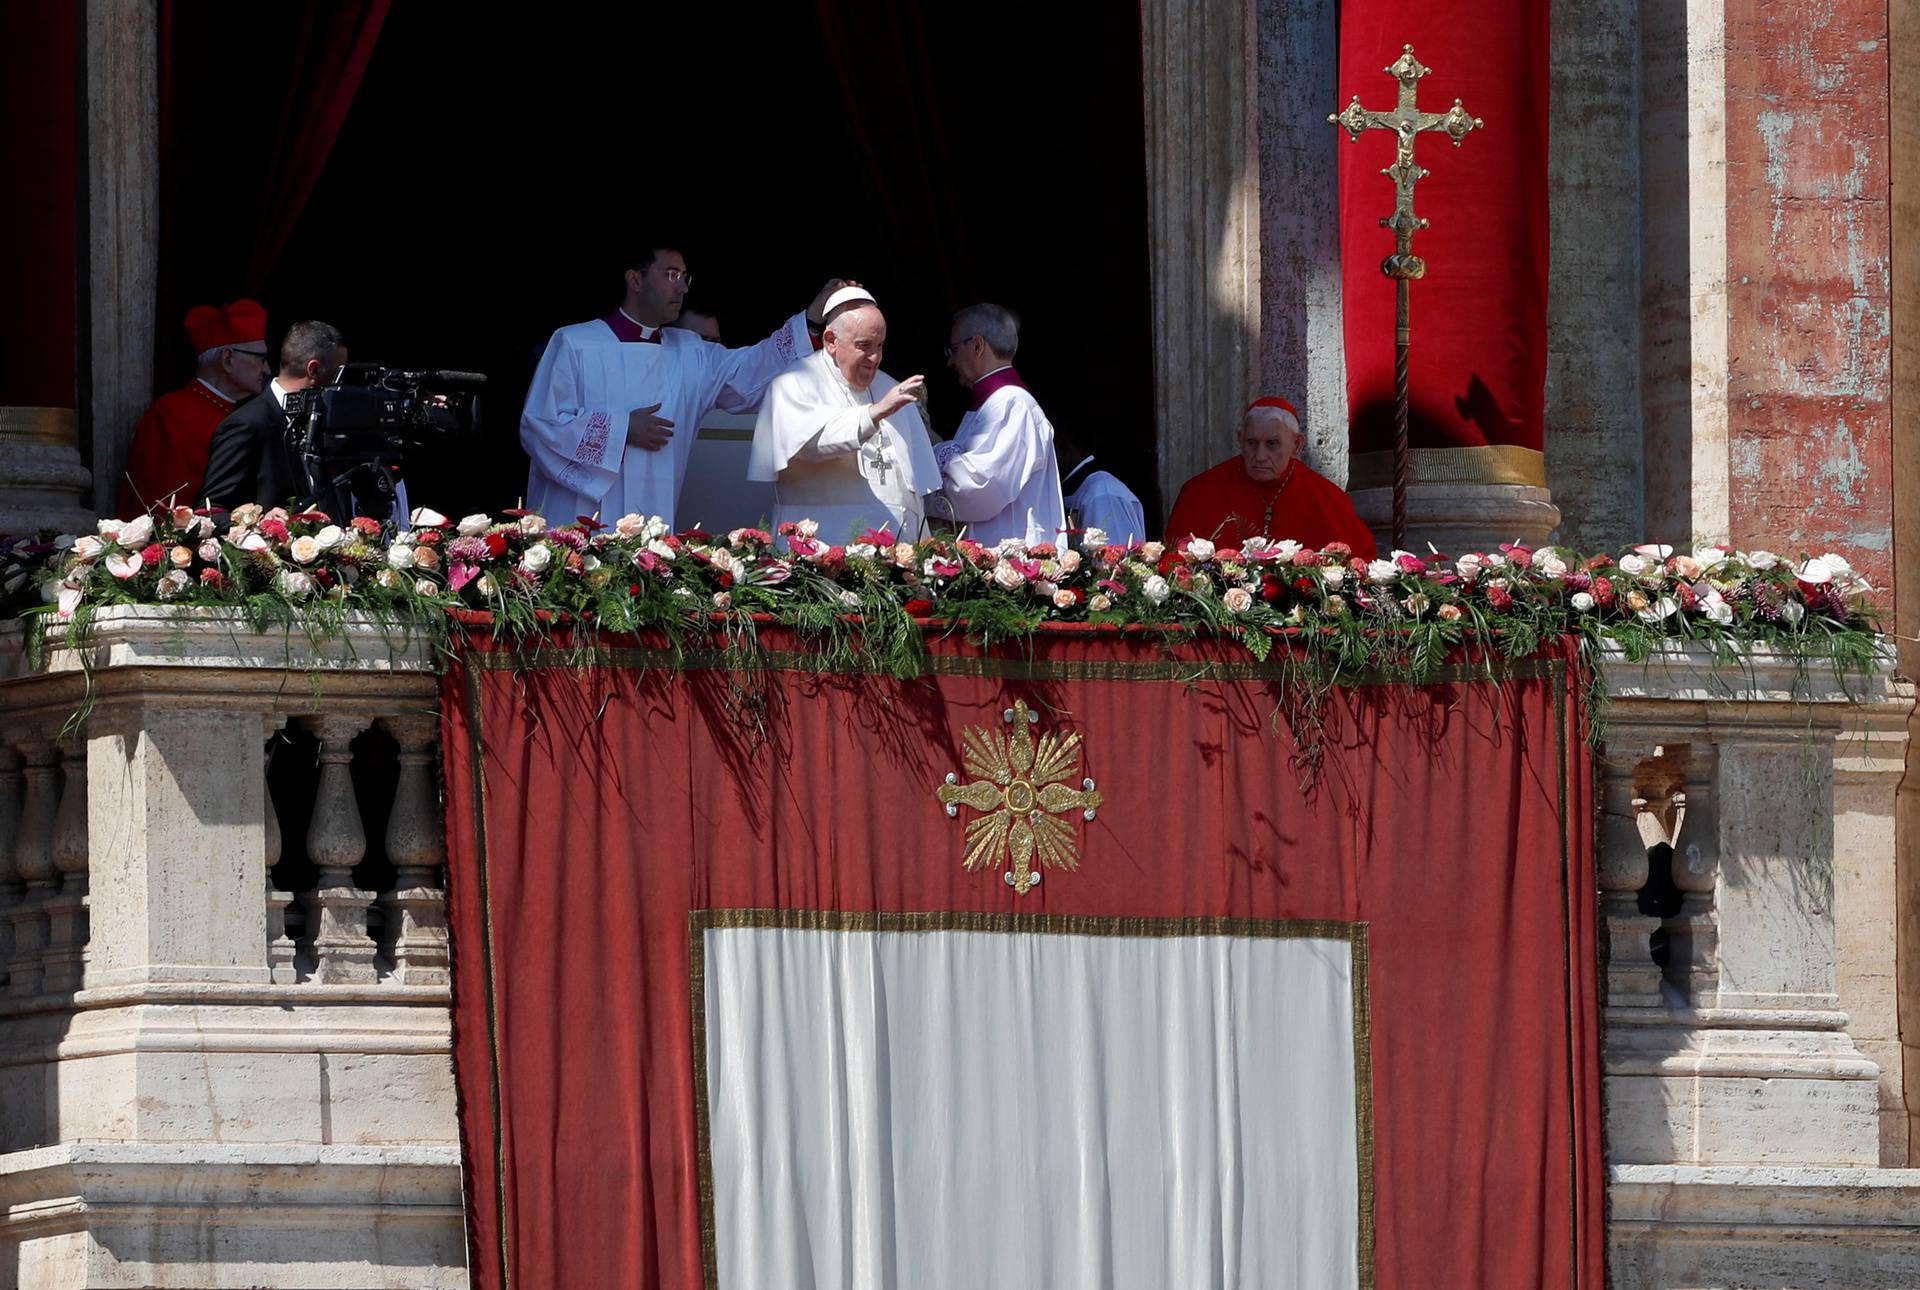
1021,792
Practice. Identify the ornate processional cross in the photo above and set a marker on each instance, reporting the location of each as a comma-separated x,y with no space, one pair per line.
1403,266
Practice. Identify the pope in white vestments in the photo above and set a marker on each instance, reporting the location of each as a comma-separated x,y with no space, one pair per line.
616,403
1002,480
842,442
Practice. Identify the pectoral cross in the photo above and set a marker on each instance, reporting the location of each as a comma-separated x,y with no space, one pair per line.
880,462
1403,266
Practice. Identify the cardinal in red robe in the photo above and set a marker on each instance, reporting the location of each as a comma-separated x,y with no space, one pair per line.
1267,491
168,460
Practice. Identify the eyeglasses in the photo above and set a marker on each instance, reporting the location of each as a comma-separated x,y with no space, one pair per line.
677,277
955,347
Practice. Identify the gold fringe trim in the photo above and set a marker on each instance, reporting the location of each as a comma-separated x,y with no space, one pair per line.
1497,463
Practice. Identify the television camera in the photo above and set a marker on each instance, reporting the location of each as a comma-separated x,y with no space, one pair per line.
353,437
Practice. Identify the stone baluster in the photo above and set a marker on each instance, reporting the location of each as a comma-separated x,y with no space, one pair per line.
66,958
33,863
1633,978
336,841
1693,965
280,946
10,884
416,843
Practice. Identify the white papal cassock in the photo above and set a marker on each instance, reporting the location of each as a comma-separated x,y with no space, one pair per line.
574,428
831,460
1001,478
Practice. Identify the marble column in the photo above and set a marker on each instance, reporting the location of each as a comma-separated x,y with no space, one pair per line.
1203,219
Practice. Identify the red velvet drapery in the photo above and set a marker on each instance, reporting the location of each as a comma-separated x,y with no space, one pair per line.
592,810
1478,374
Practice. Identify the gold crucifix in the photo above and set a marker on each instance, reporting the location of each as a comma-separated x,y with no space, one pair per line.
1403,266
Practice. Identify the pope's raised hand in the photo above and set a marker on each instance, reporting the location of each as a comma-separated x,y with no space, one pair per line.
647,431
898,397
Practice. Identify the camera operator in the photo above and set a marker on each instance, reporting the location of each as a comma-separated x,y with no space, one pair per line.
250,460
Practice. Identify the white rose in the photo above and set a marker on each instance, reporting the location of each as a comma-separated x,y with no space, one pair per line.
486,586
304,550
1152,551
1762,560
172,585
862,551
387,578
1793,611
400,555
1093,537
723,600
210,551
1007,577
807,528
629,525
1156,589
425,517
475,525
533,525
655,527
1238,600
1069,560
1494,560
108,528
589,562
1382,573
850,599
1287,549
536,557
662,550
1199,548
1100,603
1549,565
425,587
1044,588
1709,557
1417,603
1333,575
1063,599
1583,603
292,582
903,555
328,538
1716,608
1468,567
136,531
1633,565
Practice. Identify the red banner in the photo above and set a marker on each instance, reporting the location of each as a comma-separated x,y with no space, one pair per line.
601,814
1479,360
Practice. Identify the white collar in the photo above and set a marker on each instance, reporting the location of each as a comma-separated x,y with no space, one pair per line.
222,394
644,329
279,392
996,371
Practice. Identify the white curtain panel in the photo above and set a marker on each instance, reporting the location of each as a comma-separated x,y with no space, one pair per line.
1030,1110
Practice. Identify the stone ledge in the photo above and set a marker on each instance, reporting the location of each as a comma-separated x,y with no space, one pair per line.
1722,1197
154,636
384,1178
1689,674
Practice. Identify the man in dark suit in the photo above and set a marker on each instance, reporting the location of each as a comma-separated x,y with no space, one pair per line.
248,460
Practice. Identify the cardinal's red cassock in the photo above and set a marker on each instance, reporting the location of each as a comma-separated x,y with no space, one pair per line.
1225,506
169,456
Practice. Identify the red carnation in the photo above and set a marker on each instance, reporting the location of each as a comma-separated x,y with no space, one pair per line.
1042,551
1499,598
152,554
1603,591
726,580
429,537
918,608
366,527
274,530
496,545
212,577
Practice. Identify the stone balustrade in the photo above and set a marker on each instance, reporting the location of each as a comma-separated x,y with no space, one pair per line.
223,956
1752,1060
224,1030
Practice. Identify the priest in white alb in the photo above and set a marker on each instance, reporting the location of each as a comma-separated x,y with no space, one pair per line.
616,403
1002,480
842,442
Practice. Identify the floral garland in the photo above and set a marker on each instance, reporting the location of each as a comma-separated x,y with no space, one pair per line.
1404,614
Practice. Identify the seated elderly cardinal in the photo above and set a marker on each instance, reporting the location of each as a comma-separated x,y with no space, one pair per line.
1267,491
